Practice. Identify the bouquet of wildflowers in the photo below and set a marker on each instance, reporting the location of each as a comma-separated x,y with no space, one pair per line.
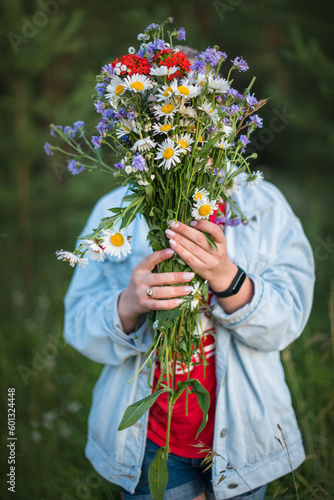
179,132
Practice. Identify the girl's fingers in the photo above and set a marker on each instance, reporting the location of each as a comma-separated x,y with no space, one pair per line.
195,230
168,292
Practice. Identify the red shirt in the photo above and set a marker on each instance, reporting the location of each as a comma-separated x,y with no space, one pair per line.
184,426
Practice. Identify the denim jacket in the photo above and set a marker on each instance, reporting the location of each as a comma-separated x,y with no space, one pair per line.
252,396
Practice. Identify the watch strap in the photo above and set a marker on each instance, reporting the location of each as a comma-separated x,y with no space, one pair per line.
235,286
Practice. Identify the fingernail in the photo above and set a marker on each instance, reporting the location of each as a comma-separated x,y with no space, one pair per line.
178,301
193,223
188,276
174,224
187,289
169,251
173,243
170,233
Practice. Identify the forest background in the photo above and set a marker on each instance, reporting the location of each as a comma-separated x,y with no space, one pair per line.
51,51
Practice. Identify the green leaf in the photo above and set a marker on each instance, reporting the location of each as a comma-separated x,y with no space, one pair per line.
115,210
210,240
134,412
158,475
203,399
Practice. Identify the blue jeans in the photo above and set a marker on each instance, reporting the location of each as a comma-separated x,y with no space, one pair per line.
186,479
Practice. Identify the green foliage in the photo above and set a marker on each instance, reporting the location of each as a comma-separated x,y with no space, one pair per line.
158,475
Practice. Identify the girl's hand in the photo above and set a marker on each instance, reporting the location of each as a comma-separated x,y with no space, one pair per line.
149,291
214,266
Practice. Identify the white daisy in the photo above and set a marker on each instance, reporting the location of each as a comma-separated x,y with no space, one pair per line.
164,93
138,83
71,258
188,112
190,125
200,194
94,251
204,208
223,143
196,293
128,169
219,85
115,88
208,109
226,129
163,70
231,186
162,129
143,145
116,243
185,141
168,153
185,89
201,79
254,179
126,127
167,110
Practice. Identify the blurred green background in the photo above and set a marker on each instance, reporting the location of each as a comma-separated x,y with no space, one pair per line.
50,54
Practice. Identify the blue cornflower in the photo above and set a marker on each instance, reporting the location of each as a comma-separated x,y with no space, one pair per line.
109,69
103,126
99,106
78,125
120,165
100,88
256,121
68,131
138,162
181,34
75,167
251,100
96,141
109,113
240,63
48,149
152,26
124,139
199,65
121,113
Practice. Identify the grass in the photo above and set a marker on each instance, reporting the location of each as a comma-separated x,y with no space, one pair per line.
54,383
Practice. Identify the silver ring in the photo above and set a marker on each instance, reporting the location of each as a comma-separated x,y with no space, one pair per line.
149,292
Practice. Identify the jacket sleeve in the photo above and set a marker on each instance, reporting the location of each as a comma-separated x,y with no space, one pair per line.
283,288
92,324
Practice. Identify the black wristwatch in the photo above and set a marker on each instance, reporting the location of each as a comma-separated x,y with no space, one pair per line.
234,287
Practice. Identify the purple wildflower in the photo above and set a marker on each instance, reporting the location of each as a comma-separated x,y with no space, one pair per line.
212,56
240,63
99,106
256,121
78,125
96,141
244,141
124,139
103,127
54,128
109,69
47,148
199,65
152,26
120,165
68,131
226,121
100,88
138,162
251,100
233,221
235,93
121,113
232,110
181,34
140,53
131,115
75,167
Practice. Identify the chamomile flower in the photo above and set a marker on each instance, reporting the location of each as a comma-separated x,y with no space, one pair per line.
138,83
190,125
166,110
196,293
164,93
162,129
201,79
115,88
163,70
255,178
169,154
143,145
223,143
128,169
94,251
185,142
219,85
231,186
71,258
116,243
185,89
200,194
203,209
208,109
188,112
125,128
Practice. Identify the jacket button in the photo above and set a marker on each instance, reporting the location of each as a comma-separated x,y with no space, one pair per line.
223,433
232,486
